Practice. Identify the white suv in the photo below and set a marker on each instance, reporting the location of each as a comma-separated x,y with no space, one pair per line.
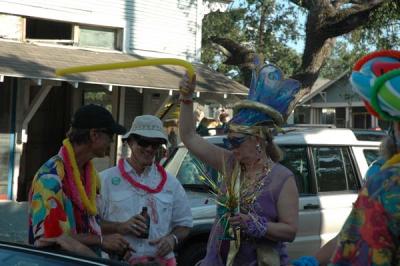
328,165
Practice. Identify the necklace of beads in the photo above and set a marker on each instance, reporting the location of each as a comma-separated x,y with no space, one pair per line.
85,198
251,189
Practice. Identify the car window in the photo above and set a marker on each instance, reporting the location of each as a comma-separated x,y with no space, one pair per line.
371,155
192,168
369,135
295,158
333,169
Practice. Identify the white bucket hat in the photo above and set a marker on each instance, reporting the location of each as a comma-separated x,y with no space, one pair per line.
148,126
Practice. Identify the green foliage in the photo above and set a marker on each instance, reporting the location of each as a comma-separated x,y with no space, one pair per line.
220,24
341,60
283,56
242,24
381,32
102,98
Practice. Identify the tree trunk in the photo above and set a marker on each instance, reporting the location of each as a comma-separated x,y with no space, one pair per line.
261,30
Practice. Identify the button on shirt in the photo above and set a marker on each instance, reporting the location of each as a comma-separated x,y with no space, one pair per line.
119,201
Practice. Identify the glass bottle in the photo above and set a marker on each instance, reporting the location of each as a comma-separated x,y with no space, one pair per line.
146,215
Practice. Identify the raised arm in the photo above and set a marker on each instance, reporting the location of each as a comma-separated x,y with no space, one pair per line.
202,149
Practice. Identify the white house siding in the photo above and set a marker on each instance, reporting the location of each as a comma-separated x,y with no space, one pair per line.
96,12
157,28
168,27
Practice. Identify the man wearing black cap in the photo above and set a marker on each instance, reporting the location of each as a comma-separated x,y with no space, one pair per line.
65,188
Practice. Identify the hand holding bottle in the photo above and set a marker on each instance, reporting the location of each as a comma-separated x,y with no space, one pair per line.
136,225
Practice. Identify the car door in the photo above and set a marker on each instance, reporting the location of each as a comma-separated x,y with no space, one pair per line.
296,158
337,184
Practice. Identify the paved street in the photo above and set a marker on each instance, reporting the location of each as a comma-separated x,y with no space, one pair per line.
13,221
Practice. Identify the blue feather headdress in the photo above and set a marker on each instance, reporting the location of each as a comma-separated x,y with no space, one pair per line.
268,101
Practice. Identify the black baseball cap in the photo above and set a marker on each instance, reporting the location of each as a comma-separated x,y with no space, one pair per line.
96,116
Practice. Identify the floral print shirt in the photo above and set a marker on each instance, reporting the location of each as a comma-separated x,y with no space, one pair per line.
370,236
52,211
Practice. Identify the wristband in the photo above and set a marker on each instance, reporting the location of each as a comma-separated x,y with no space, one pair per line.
257,228
175,239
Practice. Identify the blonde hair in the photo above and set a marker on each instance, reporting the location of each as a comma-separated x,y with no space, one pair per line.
271,149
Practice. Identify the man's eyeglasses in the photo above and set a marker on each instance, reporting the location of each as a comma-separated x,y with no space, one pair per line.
234,143
144,143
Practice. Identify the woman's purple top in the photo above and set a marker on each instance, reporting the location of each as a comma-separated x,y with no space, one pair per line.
265,205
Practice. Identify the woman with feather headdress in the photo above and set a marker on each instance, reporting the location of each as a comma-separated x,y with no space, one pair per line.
257,198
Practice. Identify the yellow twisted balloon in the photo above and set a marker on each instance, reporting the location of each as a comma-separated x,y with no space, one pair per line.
129,64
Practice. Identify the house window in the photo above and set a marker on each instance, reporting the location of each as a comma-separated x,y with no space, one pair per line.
70,34
361,118
48,30
340,115
106,38
300,118
328,116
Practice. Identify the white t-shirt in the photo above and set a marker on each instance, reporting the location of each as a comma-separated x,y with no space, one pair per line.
119,201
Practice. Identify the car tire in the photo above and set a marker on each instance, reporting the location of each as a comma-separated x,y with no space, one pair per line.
192,255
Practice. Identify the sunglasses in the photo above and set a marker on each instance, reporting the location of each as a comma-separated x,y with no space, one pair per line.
234,143
144,143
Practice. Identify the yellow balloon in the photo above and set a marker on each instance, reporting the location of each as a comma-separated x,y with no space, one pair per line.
129,64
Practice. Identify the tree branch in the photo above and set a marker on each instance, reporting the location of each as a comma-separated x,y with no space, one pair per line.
347,20
222,49
239,55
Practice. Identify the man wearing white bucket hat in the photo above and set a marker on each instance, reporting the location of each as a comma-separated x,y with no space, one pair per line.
138,183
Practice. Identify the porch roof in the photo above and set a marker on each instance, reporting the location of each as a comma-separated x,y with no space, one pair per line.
39,62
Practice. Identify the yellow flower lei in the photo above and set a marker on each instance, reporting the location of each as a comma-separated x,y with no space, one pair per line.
88,204
392,161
